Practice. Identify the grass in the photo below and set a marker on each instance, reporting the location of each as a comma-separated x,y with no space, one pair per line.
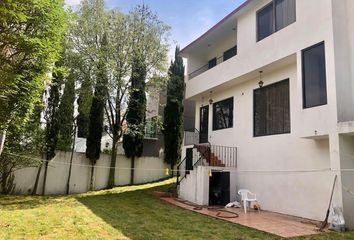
121,213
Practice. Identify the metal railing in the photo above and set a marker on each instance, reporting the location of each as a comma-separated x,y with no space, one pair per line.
217,156
208,155
194,137
181,172
206,66
191,137
227,155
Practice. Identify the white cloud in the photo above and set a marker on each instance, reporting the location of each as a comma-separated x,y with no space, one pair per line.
72,2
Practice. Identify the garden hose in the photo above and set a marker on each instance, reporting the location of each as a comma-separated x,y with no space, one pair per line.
219,210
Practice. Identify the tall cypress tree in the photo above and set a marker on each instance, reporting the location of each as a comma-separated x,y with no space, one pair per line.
173,112
52,117
93,141
134,136
84,103
66,114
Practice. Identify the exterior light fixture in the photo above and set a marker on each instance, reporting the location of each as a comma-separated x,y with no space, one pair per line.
210,98
260,83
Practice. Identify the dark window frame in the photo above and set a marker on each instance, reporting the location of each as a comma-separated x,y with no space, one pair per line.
257,20
254,109
229,100
304,79
212,63
274,22
233,52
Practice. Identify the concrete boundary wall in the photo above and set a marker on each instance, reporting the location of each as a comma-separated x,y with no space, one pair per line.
148,169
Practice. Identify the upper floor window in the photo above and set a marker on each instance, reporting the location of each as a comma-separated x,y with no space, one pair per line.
230,53
223,114
274,17
212,63
272,109
314,76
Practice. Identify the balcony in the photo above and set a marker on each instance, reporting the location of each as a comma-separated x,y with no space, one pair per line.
214,62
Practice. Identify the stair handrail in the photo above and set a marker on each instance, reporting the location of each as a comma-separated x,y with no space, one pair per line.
178,171
202,155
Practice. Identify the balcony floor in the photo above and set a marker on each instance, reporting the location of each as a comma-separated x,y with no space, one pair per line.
274,223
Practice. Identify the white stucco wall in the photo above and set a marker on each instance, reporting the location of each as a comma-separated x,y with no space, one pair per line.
148,169
195,187
253,55
287,152
347,162
343,25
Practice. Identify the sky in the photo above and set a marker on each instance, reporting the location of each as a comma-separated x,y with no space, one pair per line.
188,19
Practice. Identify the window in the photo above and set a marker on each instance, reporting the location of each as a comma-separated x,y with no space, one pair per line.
265,22
272,109
274,17
212,63
284,13
314,76
223,114
151,128
230,53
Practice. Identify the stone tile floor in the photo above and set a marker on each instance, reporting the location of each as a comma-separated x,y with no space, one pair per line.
274,223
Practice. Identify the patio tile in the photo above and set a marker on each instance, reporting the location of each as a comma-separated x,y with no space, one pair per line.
274,223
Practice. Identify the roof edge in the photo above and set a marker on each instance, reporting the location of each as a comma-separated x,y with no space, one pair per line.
216,25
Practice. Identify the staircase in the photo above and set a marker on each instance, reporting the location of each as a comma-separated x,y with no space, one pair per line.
207,155
211,158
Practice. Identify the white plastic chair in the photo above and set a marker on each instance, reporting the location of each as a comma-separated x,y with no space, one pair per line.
247,197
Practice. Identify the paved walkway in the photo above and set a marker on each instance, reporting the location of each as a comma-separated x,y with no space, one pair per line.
274,223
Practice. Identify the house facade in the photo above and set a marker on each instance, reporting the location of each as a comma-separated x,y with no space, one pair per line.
273,85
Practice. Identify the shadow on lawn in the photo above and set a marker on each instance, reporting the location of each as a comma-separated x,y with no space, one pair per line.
138,215
10,203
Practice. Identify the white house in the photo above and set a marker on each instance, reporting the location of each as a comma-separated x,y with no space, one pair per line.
273,84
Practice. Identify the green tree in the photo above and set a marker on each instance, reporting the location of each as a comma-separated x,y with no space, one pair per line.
138,43
27,139
31,33
173,112
66,114
93,142
88,47
52,118
148,59
136,113
84,103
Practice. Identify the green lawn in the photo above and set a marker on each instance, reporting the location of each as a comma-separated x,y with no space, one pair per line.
121,213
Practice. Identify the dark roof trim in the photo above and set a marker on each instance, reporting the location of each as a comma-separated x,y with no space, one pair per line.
217,25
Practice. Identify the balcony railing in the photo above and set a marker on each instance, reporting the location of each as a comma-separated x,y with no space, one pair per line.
226,56
204,68
194,137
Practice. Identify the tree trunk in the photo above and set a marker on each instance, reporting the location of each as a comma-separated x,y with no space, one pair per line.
35,187
45,176
34,190
71,163
2,140
112,170
132,171
92,172
3,177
